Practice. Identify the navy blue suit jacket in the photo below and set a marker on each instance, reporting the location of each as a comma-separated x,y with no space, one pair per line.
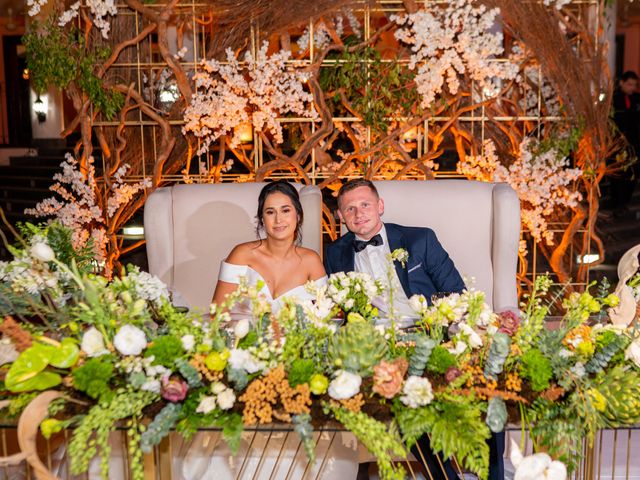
428,271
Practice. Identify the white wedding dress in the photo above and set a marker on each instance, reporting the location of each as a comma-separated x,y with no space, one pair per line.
265,454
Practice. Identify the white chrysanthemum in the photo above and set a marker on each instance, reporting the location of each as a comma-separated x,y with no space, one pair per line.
417,392
130,340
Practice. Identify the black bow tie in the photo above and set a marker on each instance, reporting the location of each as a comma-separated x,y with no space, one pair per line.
359,245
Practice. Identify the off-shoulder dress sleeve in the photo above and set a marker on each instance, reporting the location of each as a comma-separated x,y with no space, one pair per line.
231,273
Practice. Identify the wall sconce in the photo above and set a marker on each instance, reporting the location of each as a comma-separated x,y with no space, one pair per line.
40,108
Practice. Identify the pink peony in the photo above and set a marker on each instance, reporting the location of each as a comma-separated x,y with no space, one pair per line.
509,322
173,389
388,376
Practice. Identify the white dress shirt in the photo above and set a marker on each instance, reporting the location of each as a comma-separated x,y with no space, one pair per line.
373,260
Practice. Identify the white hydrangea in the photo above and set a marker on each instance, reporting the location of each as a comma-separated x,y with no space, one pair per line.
240,359
453,40
149,287
417,392
256,91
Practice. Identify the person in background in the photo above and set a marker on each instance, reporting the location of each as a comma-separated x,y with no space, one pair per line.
626,115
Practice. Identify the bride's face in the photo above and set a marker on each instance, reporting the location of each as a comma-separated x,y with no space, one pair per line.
279,216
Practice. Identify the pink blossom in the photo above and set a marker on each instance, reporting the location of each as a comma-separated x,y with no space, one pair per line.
509,322
173,389
388,377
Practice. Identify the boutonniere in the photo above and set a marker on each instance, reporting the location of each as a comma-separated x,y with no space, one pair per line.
399,255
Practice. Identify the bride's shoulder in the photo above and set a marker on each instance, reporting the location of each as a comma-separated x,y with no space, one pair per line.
242,253
311,262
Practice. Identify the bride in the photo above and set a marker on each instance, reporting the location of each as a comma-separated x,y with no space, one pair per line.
284,267
278,259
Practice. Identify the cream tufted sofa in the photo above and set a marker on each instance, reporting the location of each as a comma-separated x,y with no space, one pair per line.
190,229
478,223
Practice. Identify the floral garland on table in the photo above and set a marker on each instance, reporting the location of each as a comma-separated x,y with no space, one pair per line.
124,352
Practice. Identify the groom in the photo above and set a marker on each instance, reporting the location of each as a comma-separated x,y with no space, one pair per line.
429,270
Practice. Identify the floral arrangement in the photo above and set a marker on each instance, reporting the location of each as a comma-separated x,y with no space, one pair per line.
256,91
122,353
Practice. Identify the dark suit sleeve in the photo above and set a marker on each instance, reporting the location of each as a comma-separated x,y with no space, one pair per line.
327,260
440,267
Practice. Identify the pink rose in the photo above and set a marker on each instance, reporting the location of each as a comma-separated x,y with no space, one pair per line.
509,322
388,376
173,389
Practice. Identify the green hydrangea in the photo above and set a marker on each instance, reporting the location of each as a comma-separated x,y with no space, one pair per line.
440,360
165,351
94,376
536,368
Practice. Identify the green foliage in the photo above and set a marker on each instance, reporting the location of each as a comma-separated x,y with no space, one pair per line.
29,371
160,427
165,350
302,426
421,354
301,372
189,372
93,431
609,347
498,352
560,434
391,95
357,347
381,440
57,57
440,360
443,419
536,368
19,403
60,239
534,314
230,422
620,389
94,377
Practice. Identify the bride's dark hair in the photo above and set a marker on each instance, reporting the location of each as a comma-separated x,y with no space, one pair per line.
284,187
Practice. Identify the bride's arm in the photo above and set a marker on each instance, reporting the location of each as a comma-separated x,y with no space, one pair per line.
223,288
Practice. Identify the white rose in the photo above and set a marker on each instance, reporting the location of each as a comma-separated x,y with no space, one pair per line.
151,386
418,303
130,340
226,399
218,387
206,405
417,392
241,328
344,385
41,251
539,466
633,352
188,342
93,343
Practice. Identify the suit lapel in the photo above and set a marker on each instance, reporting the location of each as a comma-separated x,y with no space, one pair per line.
397,240
348,255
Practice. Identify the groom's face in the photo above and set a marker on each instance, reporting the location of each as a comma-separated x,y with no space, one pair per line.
360,210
